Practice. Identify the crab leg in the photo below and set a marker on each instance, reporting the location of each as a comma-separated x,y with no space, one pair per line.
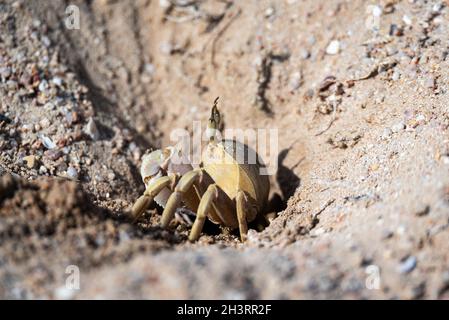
184,184
242,210
205,204
152,191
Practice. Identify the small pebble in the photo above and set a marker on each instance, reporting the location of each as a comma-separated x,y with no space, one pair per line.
149,68
305,54
407,20
445,159
401,230
72,173
437,7
11,85
377,11
333,47
46,41
164,4
387,234
44,123
429,82
407,265
398,127
396,30
48,143
5,73
53,154
31,161
295,81
423,211
43,86
91,130
269,12
43,169
396,75
166,48
123,236
57,81
111,176
386,133
317,232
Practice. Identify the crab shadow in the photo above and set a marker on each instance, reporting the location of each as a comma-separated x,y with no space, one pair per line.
287,181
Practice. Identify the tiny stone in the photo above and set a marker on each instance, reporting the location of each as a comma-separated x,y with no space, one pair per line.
5,73
53,154
36,23
43,86
166,48
305,54
46,41
149,68
311,40
407,20
91,129
269,12
407,265
333,47
396,75
43,169
377,11
72,173
386,133
317,232
124,236
295,81
17,5
11,85
445,159
437,7
44,123
111,176
57,81
401,230
30,161
48,143
423,211
165,4
396,30
429,82
398,127
387,234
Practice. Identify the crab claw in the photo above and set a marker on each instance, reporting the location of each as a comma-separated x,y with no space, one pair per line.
162,163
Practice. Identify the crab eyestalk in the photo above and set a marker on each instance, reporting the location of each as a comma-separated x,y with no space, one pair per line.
214,122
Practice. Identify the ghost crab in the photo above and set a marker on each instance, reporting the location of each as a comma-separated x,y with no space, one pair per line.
228,192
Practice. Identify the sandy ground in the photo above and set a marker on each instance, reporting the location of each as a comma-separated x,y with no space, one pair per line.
357,89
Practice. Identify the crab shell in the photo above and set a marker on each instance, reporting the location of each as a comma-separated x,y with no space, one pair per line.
235,166
160,163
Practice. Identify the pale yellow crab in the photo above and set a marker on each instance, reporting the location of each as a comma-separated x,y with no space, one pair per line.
228,192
